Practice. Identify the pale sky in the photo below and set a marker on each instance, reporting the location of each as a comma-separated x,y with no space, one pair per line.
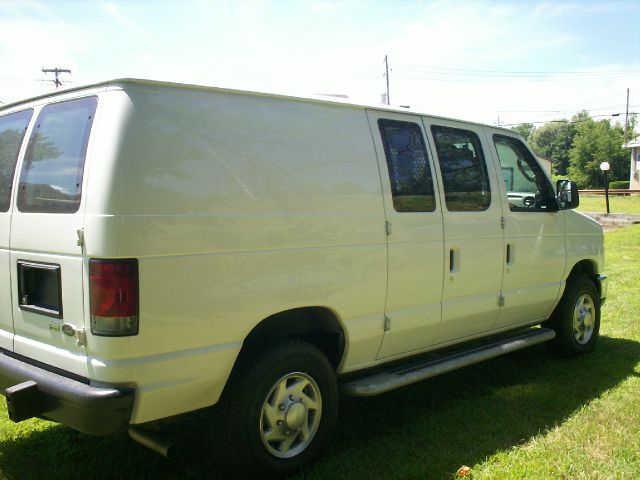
477,60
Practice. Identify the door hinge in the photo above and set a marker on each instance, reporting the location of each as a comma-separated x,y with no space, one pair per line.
80,234
502,222
501,300
387,226
387,323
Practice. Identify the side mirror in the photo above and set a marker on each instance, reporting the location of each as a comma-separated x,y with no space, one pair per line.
568,196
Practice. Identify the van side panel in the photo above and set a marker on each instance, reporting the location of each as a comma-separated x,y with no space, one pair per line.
584,241
237,207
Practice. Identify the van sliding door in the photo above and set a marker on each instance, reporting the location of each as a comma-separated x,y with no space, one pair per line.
473,236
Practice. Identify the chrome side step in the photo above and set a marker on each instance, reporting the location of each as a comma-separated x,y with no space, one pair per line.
400,377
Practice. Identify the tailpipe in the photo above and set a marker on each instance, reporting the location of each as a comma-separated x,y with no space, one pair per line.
158,444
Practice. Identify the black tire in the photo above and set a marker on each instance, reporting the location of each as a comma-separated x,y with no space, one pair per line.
242,429
575,337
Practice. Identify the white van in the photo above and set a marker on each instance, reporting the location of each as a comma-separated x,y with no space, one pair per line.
165,248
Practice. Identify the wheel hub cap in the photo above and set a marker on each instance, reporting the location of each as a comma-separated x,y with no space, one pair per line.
584,314
295,416
290,415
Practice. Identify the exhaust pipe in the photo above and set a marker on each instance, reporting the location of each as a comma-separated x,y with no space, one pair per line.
159,445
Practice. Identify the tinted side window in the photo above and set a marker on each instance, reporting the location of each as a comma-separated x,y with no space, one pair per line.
408,164
527,186
463,168
51,176
12,130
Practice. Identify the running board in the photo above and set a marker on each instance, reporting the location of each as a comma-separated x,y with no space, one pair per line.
402,376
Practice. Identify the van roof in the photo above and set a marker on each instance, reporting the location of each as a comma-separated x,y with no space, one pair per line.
320,99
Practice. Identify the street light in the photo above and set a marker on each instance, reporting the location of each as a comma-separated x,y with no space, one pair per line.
604,166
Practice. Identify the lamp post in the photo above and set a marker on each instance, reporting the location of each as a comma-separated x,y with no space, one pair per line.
604,166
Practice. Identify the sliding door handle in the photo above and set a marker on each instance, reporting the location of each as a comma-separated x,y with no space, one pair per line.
454,260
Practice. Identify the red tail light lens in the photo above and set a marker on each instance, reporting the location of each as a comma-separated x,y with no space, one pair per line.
113,288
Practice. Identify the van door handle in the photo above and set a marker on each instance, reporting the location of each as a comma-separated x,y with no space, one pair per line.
454,260
509,254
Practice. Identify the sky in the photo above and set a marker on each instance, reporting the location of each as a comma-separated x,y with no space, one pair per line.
496,62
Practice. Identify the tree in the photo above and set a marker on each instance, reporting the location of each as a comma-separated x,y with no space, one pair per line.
542,138
594,143
524,130
555,139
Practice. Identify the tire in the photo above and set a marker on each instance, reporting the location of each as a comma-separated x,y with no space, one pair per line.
576,319
278,411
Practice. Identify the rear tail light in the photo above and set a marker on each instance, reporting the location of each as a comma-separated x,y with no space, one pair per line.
113,288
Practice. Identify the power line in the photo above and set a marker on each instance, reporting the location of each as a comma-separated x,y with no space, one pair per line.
435,77
471,71
568,121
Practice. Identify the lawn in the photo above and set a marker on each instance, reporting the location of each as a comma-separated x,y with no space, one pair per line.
526,415
597,203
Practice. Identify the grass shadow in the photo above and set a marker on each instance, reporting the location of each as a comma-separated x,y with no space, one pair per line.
423,431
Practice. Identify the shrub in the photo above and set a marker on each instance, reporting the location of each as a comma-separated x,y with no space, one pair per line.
621,184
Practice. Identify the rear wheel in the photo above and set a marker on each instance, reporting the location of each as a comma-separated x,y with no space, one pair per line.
278,411
576,320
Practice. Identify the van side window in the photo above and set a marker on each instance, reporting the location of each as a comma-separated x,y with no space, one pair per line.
463,168
408,164
12,130
51,176
527,186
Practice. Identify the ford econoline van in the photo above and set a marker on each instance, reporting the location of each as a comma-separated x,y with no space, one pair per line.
165,248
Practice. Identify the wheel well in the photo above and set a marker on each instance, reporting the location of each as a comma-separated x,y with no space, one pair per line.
316,325
586,268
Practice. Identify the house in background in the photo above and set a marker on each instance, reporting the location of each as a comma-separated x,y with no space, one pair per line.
546,163
634,175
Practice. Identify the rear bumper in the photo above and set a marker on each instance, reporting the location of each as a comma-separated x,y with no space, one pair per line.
33,392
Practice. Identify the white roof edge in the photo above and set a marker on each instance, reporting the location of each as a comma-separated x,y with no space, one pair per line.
311,98
632,143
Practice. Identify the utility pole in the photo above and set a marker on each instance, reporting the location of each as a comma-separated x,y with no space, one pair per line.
386,74
57,71
626,118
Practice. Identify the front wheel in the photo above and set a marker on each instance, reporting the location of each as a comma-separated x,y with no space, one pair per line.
576,320
278,411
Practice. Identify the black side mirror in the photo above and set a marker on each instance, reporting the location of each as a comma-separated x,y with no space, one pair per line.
568,196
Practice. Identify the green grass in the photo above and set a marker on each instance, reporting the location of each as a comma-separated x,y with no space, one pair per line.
527,415
597,203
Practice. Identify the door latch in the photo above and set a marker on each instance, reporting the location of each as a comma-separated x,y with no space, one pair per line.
80,334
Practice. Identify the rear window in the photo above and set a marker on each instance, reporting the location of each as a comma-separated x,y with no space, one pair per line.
51,176
12,130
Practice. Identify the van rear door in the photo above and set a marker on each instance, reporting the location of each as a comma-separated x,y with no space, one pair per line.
46,261
13,127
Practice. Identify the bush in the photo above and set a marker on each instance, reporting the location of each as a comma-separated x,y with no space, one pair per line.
619,185
555,178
